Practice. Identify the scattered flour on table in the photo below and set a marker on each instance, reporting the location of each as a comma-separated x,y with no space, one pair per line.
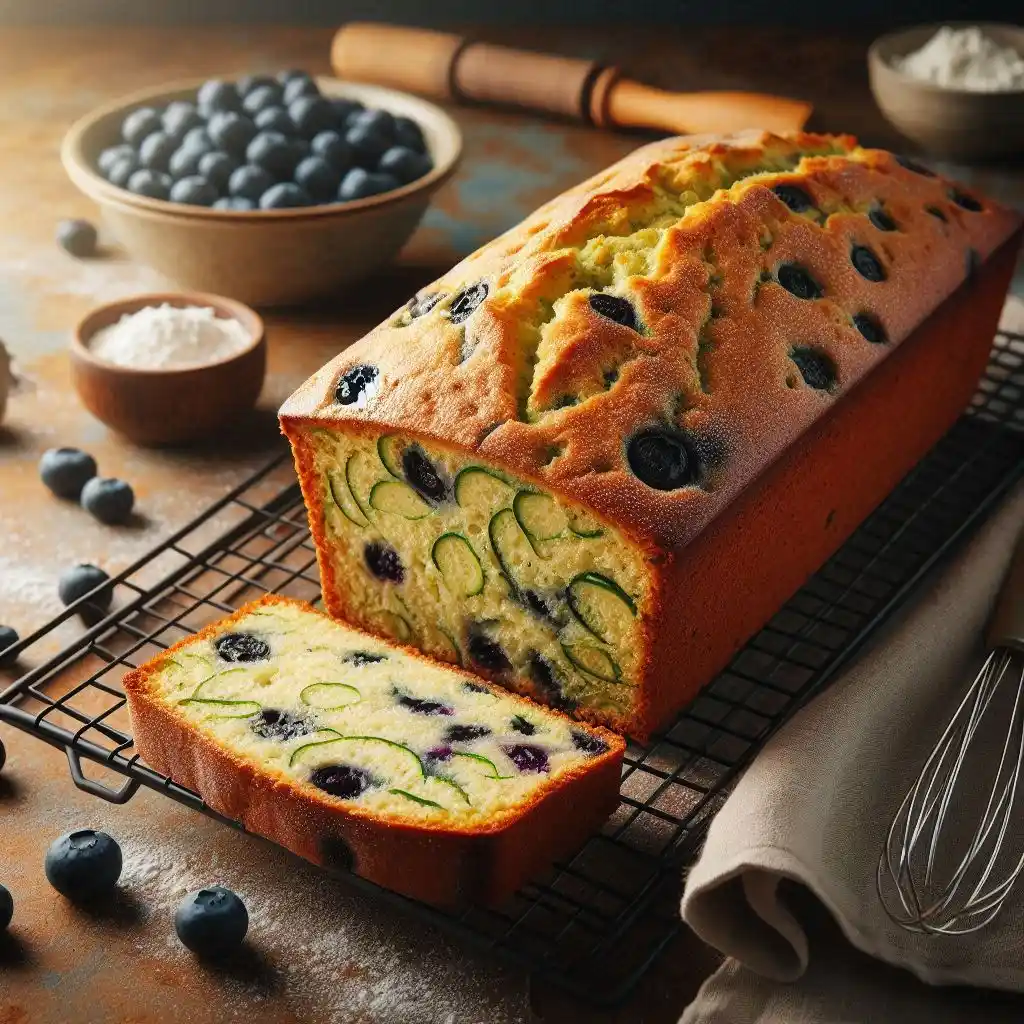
965,58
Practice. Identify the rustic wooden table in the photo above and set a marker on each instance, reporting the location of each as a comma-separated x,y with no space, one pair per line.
318,952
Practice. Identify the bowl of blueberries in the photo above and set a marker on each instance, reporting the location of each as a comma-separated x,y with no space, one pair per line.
272,190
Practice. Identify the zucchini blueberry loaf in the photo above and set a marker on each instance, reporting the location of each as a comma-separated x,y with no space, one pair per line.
352,752
596,456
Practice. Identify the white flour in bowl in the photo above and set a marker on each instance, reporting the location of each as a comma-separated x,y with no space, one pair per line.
965,58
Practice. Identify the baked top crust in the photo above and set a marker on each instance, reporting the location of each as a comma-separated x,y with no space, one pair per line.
650,341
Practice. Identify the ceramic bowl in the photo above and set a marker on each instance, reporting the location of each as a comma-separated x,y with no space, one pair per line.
166,406
266,257
952,123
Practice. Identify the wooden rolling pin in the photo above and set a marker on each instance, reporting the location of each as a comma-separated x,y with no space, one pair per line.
450,67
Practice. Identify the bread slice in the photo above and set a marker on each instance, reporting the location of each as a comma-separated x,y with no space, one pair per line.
353,752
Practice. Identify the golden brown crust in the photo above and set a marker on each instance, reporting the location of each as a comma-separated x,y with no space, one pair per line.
714,359
428,861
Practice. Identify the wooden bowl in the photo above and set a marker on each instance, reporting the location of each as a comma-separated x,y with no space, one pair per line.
951,123
266,257
169,405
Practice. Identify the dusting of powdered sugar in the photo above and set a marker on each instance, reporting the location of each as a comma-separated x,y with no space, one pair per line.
336,957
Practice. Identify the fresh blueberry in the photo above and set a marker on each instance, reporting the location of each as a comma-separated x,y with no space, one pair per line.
465,304
109,500
383,561
79,580
198,137
194,191
77,237
66,471
334,149
380,121
274,153
409,134
8,638
6,908
422,475
276,724
816,368
361,184
250,83
216,96
587,743
180,118
523,725
867,264
342,780
661,459
139,125
152,184
465,733
239,204
345,110
318,178
291,75
217,169
311,114
231,132
242,648
404,164
363,658
122,170
487,653
111,155
422,706
797,281
211,922
368,143
527,758
262,98
615,308
83,865
300,86
284,196
250,182
354,381
185,161
156,151
274,119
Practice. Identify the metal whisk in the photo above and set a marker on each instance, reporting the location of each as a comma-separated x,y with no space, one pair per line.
944,871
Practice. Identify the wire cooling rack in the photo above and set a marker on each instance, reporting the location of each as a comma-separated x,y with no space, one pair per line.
596,923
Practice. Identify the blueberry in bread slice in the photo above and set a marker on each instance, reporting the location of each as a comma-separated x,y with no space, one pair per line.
602,451
354,752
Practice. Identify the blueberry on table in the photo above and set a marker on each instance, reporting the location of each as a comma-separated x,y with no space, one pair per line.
211,922
111,155
180,118
217,95
122,170
298,86
274,153
404,164
334,149
77,237
274,119
250,182
260,99
108,500
66,471
409,134
243,648
80,580
231,132
83,865
217,169
156,151
152,184
250,83
367,142
139,125
311,115
8,638
6,908
318,178
361,184
194,191
285,196
239,204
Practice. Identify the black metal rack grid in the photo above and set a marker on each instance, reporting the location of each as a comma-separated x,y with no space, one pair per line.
596,923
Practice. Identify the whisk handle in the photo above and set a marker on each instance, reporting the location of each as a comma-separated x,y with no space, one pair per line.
1006,628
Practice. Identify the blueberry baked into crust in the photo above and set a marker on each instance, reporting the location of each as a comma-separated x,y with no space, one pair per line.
359,754
595,457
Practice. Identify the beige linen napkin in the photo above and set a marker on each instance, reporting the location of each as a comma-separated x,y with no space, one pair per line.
807,822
